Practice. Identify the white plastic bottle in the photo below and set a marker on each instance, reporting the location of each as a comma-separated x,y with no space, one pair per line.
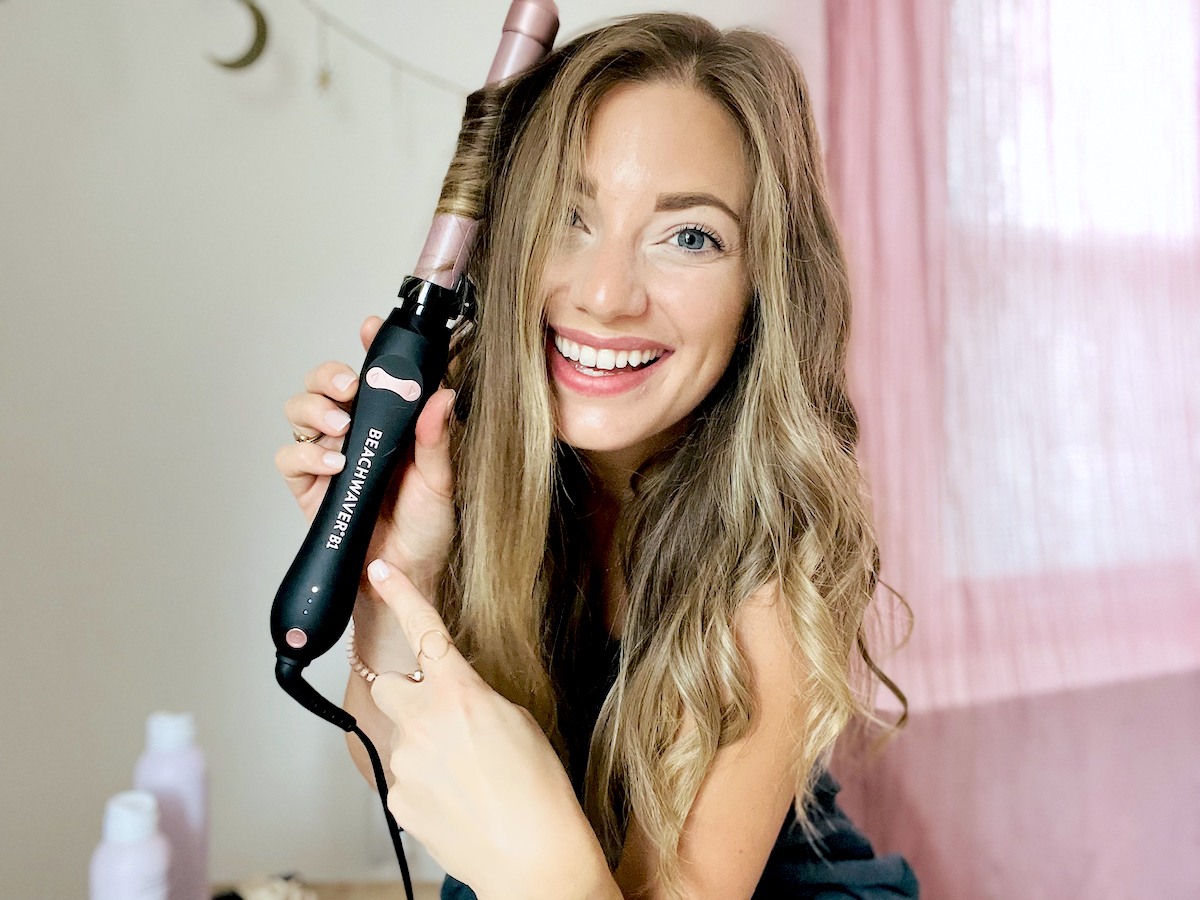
131,861
172,768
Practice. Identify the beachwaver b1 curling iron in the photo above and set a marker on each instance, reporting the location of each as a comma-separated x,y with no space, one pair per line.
404,366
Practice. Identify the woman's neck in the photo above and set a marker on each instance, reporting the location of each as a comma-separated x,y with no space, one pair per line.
612,489
612,471
611,475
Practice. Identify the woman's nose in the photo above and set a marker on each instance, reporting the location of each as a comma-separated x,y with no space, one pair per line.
610,286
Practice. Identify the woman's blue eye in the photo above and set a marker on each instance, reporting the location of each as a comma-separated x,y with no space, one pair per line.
694,238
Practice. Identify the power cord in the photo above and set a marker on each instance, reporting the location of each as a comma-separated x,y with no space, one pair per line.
288,673
393,828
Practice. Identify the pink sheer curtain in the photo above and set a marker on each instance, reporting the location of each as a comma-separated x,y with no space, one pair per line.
1018,182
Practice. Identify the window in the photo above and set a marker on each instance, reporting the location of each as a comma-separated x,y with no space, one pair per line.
1073,168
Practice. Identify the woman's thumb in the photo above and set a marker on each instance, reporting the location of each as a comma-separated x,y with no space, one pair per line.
431,449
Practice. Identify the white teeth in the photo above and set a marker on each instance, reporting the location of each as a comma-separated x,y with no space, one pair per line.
569,349
604,359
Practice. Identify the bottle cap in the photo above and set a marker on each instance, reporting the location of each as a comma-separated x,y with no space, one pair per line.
167,732
129,817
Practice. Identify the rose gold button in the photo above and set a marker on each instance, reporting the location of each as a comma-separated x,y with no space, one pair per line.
382,381
296,638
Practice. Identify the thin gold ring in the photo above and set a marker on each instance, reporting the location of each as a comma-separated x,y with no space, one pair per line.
301,439
421,646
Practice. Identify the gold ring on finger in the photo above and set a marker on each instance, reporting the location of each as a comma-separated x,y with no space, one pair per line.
304,439
445,648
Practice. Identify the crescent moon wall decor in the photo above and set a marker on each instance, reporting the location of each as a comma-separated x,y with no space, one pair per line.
327,22
256,47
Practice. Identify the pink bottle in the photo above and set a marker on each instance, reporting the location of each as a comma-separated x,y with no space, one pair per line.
172,768
131,861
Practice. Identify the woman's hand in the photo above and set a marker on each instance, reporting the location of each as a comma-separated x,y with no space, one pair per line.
416,521
476,780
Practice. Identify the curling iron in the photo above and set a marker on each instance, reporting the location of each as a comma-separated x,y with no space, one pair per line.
404,366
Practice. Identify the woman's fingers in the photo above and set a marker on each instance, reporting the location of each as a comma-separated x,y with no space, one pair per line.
302,464
402,697
316,413
333,379
423,628
370,328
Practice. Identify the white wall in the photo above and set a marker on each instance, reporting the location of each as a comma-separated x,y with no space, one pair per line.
178,244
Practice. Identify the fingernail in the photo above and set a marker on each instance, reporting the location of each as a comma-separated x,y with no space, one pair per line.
450,405
343,381
333,459
336,420
378,570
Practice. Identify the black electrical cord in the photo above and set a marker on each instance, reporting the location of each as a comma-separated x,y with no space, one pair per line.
288,673
393,827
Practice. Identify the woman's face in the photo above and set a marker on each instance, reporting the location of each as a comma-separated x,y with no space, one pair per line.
645,295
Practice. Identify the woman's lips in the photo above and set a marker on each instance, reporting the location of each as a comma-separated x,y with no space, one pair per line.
592,382
629,342
605,358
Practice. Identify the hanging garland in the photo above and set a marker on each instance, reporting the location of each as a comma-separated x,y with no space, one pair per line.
326,21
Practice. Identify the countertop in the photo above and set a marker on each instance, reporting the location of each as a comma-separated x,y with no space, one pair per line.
374,891
364,890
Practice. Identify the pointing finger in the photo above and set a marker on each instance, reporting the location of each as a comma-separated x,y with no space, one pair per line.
424,629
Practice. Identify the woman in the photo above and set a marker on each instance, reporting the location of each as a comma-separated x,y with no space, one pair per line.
644,530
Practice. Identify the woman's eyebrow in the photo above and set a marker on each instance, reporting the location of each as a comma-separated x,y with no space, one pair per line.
670,202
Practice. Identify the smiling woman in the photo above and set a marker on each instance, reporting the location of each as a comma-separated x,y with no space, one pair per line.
644,528
647,291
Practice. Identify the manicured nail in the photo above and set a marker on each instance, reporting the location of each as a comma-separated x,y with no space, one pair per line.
379,570
450,405
336,420
343,381
333,459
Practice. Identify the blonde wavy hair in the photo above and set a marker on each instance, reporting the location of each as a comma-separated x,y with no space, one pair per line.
762,489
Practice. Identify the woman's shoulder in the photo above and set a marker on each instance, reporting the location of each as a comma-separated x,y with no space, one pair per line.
764,634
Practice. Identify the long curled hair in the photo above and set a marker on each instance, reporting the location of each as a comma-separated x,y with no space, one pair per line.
763,489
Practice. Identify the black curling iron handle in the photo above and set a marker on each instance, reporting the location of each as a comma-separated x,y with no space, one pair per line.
404,366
